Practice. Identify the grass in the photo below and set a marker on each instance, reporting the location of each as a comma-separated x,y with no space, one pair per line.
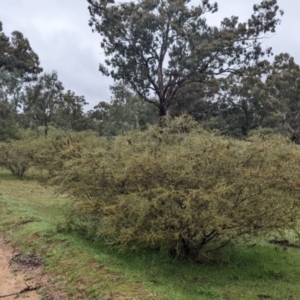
29,214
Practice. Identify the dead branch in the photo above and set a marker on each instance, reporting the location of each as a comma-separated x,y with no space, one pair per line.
25,290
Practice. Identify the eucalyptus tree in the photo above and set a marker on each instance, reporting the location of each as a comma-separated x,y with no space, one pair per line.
267,96
16,55
159,47
70,113
8,125
42,100
11,88
283,86
11,95
19,65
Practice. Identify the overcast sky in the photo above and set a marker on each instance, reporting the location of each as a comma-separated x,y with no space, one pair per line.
58,32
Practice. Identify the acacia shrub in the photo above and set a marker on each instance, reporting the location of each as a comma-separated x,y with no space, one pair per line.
51,153
183,189
45,153
16,156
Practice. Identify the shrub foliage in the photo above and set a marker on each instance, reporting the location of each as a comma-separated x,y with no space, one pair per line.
52,153
179,188
16,156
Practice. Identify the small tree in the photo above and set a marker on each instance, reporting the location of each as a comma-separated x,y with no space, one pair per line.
160,47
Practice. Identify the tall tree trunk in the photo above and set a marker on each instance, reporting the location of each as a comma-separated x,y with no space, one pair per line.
162,111
46,126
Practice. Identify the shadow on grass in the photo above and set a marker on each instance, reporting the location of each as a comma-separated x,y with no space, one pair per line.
6,175
259,271
256,268
28,176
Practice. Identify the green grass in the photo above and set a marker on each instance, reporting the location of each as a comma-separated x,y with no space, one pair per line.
5,175
29,215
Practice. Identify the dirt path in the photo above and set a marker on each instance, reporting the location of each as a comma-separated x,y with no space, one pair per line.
14,280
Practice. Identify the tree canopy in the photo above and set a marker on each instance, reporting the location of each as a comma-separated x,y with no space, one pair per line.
45,102
16,55
265,99
283,86
159,47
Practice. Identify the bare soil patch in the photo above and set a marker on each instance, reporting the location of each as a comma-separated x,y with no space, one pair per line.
21,277
13,281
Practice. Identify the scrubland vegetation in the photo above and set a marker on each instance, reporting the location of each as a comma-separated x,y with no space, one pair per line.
185,185
181,211
176,188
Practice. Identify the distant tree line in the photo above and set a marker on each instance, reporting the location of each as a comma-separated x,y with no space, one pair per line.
168,62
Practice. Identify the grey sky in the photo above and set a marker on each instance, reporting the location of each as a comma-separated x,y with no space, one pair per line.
58,32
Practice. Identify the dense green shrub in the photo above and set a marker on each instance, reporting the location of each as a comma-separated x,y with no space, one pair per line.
180,188
44,153
16,156
51,153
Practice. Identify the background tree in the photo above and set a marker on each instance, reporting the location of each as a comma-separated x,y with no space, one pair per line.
242,100
12,88
266,97
124,112
99,115
198,100
8,125
283,86
16,55
19,64
159,47
70,115
42,99
11,93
